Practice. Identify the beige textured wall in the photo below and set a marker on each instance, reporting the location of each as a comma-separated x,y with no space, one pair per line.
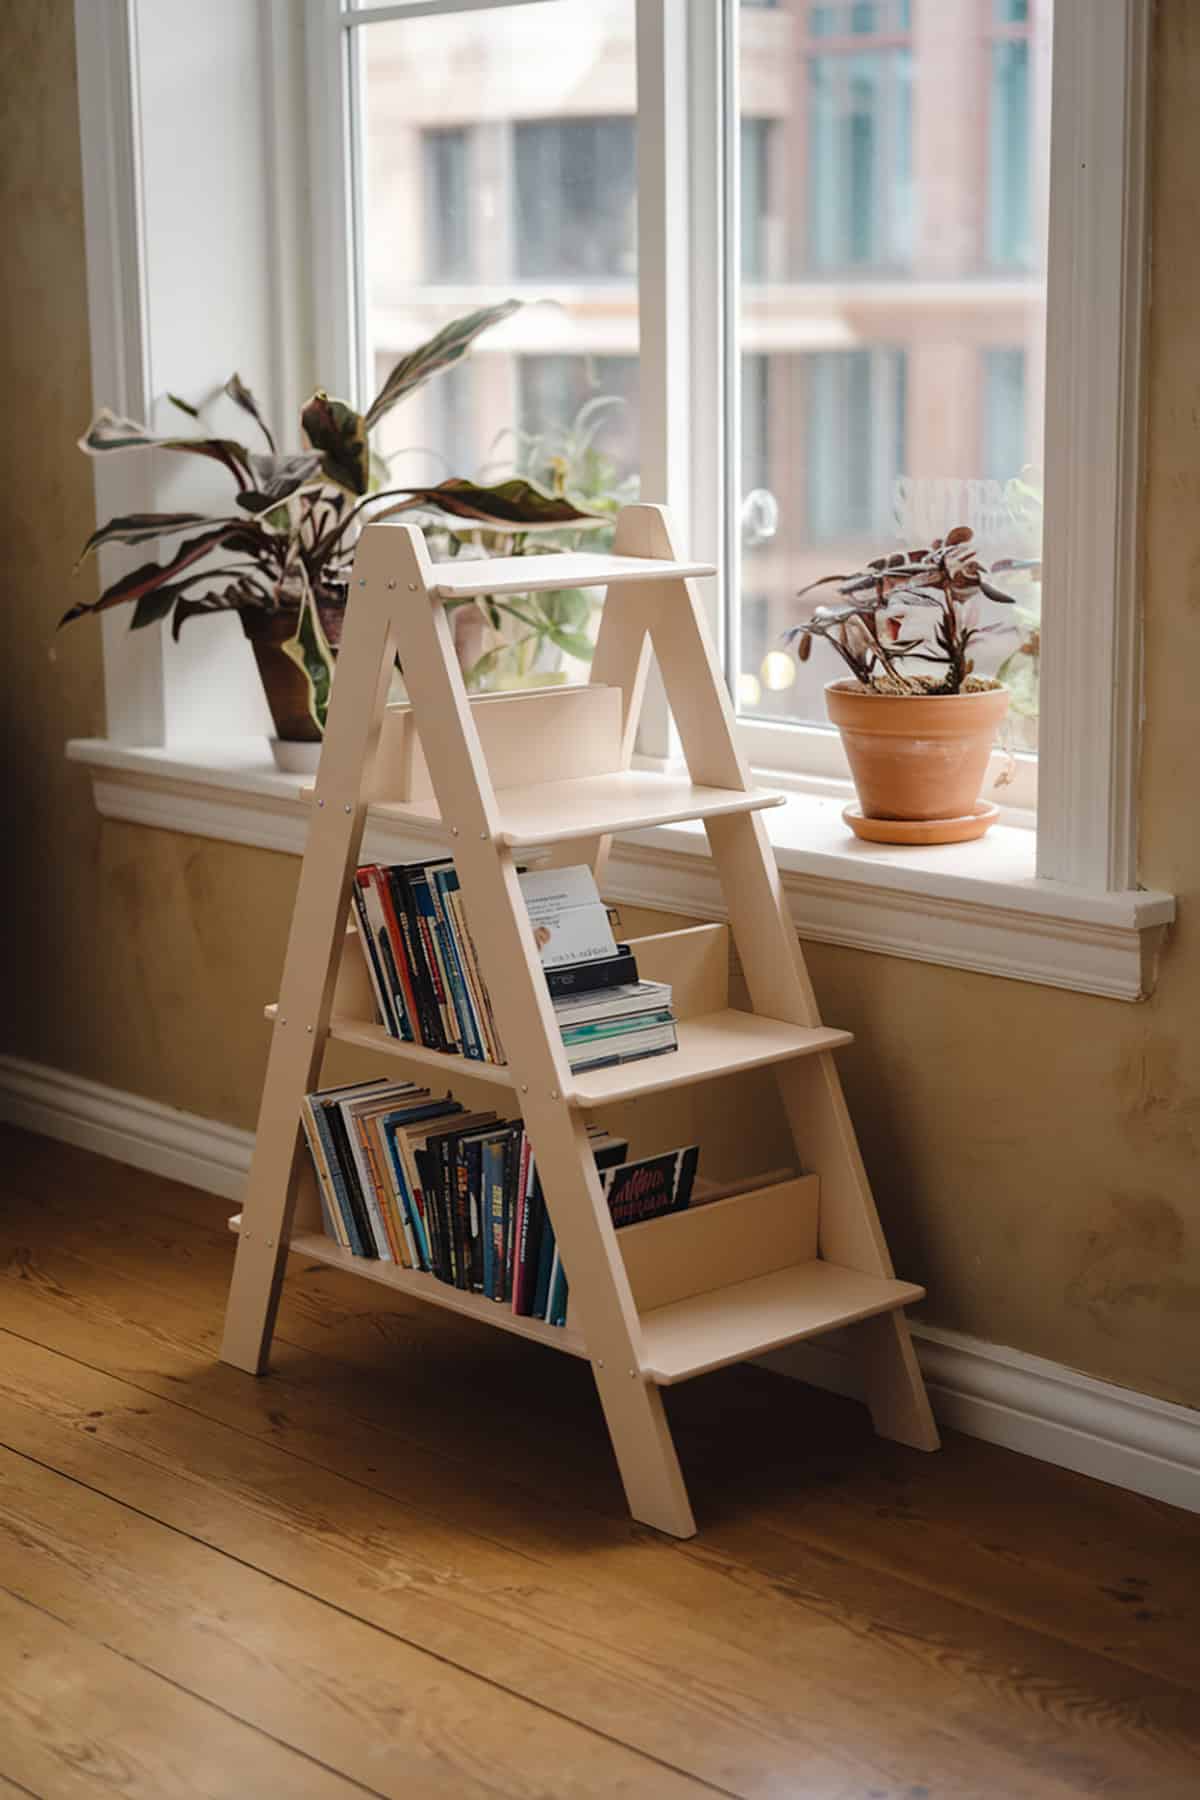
1034,1152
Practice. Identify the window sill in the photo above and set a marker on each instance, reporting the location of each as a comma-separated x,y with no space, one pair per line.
969,906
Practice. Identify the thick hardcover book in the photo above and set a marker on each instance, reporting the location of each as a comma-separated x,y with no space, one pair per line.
633,1001
597,972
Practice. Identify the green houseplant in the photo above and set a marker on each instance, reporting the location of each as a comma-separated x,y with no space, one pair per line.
281,556
917,744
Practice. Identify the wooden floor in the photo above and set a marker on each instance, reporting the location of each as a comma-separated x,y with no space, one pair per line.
401,1565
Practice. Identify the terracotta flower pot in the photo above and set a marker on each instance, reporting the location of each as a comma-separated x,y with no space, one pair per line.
917,757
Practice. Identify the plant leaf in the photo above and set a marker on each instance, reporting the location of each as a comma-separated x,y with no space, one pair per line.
514,502
144,580
241,396
310,651
442,351
185,406
141,528
340,434
278,477
573,642
109,432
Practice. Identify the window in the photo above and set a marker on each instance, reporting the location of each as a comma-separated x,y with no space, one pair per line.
513,130
575,199
891,385
930,301
448,234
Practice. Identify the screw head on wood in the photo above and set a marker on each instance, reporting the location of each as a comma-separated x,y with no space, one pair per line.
483,837
362,583
283,1021
308,1028
554,1093
524,1087
391,584
320,803
454,831
412,587
349,809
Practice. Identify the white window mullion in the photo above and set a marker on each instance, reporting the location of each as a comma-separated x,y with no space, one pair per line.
1096,275
330,124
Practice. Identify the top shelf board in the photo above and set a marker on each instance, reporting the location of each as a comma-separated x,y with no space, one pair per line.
463,579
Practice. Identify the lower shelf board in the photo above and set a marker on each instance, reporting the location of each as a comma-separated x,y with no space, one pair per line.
730,1324
687,1338
319,1248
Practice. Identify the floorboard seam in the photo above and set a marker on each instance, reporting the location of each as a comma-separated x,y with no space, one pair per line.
371,1625
179,1687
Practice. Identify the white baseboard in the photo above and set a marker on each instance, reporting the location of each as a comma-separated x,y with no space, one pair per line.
1037,1407
986,1391
201,1152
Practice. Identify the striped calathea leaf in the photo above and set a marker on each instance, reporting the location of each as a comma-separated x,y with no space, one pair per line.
442,351
516,502
134,587
309,650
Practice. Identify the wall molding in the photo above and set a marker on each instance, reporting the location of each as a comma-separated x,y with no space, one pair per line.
988,1391
144,1133
978,906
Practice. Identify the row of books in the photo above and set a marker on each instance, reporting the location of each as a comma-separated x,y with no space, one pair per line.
412,1178
429,987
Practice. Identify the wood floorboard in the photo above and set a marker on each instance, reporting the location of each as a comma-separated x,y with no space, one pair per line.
854,1620
77,1718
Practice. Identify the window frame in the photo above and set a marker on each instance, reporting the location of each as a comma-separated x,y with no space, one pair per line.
687,213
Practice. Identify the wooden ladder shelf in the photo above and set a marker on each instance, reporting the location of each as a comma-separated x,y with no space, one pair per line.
677,1296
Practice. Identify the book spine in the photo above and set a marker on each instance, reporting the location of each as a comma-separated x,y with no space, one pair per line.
545,1262
404,1202
585,977
524,1260
362,925
446,1024
448,937
334,1228
426,1160
345,1182
428,1030
470,1180
364,1176
483,998
496,1170
514,1169
368,1131
377,927
394,953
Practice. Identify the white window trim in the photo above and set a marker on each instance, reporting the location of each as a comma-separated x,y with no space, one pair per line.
1077,919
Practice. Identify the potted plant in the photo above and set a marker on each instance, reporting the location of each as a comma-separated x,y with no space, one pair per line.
281,558
917,744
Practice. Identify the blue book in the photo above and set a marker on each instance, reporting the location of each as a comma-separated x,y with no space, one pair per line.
443,880
444,1019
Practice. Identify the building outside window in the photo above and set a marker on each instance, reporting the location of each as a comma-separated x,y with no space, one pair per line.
575,199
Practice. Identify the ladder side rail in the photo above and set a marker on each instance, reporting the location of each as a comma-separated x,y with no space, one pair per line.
279,1163
601,1297
622,660
777,979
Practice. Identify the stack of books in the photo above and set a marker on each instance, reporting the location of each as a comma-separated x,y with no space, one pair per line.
412,1178
429,987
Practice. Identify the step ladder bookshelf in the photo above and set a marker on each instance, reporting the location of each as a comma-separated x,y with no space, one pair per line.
655,1303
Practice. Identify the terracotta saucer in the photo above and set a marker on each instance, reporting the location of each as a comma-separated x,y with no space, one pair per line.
922,831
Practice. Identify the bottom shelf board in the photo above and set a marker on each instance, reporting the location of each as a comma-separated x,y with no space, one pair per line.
319,1248
693,1336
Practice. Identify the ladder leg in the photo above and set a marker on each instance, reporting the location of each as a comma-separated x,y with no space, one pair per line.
279,1168
601,1299
779,987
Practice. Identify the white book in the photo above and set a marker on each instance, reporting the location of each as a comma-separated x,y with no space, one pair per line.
569,919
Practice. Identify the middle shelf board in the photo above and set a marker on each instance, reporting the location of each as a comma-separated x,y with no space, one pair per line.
719,1043
555,812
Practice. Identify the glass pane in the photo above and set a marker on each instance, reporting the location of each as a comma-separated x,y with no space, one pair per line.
498,156
892,350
